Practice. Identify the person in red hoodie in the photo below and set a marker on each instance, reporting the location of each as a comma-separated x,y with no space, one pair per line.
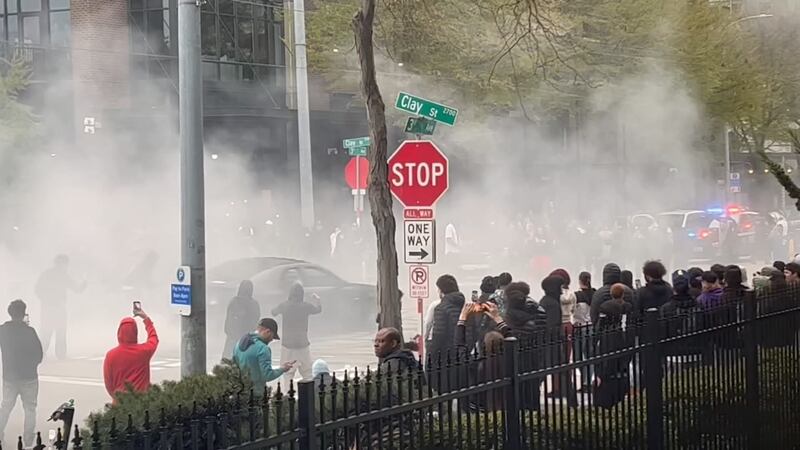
129,362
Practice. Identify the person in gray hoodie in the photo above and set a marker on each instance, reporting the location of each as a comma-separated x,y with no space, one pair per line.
611,275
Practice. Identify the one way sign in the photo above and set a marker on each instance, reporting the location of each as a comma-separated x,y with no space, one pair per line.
419,238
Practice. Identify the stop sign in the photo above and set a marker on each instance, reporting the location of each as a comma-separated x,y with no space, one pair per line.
356,173
418,174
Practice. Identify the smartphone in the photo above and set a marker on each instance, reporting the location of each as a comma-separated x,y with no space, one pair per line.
137,306
475,295
638,283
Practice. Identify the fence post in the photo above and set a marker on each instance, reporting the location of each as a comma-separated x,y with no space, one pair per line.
653,375
307,414
750,334
511,427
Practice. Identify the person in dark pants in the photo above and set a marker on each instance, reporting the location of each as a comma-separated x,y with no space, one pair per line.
51,288
583,336
22,354
612,377
239,317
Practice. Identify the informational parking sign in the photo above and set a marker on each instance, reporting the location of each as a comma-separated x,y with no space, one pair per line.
181,298
418,282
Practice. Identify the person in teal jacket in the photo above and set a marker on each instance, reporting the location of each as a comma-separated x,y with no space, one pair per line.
253,355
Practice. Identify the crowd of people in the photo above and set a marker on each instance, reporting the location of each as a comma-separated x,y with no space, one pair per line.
570,319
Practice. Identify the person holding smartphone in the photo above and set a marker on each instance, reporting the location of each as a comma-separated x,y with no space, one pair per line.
295,345
129,362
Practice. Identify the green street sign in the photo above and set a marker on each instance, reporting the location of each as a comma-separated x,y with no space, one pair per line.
421,107
357,151
356,142
420,125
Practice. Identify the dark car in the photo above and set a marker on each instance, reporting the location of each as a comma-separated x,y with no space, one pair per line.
697,235
345,306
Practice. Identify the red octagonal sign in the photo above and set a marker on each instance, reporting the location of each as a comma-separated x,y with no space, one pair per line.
418,174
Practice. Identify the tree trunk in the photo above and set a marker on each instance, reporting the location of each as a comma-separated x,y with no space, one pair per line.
380,198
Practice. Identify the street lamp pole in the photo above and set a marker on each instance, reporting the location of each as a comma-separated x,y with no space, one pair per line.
193,246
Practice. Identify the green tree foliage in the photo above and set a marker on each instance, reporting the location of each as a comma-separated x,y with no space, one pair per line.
17,121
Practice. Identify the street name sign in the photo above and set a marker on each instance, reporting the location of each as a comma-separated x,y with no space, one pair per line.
419,239
181,298
357,151
418,174
420,125
356,142
422,107
418,282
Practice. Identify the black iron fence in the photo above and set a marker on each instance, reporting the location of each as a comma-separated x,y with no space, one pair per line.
727,377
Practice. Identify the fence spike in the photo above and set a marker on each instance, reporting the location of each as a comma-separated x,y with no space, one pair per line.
19,443
96,435
129,428
113,430
77,441
194,408
252,401
146,424
162,421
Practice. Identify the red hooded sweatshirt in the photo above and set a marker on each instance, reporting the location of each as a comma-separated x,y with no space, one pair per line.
129,362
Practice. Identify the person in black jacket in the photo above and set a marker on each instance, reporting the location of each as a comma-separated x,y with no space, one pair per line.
611,275
22,354
551,302
445,318
656,292
695,277
239,317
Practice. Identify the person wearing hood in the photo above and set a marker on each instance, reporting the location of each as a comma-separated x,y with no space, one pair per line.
656,292
526,318
52,288
553,287
253,355
321,373
695,277
239,316
626,278
22,354
611,275
128,364
681,301
295,345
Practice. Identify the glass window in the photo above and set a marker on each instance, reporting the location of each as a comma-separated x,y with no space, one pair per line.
136,4
260,42
60,29
31,5
156,29
30,30
208,33
244,8
245,40
2,28
59,4
11,5
13,29
226,31
225,6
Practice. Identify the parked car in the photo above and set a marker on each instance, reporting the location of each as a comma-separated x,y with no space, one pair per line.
698,234
345,306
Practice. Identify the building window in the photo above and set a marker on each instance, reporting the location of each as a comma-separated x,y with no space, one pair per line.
241,31
35,22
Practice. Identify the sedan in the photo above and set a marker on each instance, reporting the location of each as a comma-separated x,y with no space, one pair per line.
345,306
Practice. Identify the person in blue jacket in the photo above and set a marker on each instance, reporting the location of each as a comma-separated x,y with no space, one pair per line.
253,355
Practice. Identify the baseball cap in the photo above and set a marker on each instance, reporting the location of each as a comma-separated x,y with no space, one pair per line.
271,325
